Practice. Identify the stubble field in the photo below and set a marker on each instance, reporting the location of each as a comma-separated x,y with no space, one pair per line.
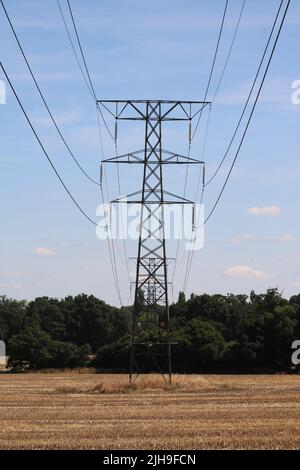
92,411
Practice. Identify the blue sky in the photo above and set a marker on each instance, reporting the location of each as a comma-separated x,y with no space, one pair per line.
138,49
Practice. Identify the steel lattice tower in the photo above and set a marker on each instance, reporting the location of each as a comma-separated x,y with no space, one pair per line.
151,322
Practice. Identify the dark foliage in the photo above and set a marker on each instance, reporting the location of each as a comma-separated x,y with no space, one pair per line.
213,333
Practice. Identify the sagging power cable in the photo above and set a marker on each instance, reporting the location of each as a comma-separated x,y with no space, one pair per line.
188,269
43,97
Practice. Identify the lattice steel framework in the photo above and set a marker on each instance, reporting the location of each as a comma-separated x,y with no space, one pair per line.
151,322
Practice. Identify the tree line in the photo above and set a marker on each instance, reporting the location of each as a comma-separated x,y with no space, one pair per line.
213,333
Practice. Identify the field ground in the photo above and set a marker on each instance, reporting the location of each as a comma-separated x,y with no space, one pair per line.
90,411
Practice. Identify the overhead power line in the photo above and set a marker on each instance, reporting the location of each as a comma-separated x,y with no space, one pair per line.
112,255
190,253
81,51
253,109
89,82
248,98
74,49
189,264
191,138
111,250
230,50
91,86
87,79
43,148
213,64
43,97
201,177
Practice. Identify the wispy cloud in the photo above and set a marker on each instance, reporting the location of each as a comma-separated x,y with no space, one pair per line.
244,272
92,269
273,211
41,251
71,117
16,275
20,274
38,23
277,95
48,77
18,286
240,238
276,238
11,286
282,238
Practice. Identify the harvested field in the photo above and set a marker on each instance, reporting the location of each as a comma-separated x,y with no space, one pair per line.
90,411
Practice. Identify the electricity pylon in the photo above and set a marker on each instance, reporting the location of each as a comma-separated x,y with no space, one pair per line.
151,321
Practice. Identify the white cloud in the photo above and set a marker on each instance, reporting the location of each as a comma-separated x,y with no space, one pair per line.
40,251
297,284
244,272
11,286
38,23
287,238
241,238
16,274
274,211
19,274
71,117
91,269
282,238
50,77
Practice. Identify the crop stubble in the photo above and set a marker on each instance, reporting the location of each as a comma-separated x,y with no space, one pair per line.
93,411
